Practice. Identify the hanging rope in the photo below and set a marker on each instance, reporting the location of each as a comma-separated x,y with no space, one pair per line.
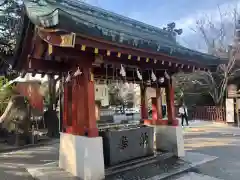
142,76
123,72
125,77
166,75
134,78
116,74
149,78
153,76
113,78
77,72
68,79
156,81
106,74
139,75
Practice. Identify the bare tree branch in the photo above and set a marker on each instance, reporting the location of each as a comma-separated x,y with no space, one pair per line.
215,35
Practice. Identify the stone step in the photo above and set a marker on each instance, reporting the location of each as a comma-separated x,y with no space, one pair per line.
137,163
153,171
150,168
195,176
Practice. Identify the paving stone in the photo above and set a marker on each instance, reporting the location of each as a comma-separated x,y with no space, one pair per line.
50,172
152,171
157,170
196,176
196,159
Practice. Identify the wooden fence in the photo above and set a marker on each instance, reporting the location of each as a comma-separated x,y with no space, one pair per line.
208,113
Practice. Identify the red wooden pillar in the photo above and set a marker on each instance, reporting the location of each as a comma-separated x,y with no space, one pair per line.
89,97
79,111
154,110
65,107
74,105
144,107
84,99
170,104
157,107
80,124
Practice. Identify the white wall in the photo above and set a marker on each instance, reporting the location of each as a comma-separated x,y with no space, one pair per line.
229,110
101,94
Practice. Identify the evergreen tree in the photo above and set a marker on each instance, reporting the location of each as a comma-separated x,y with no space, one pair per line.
10,29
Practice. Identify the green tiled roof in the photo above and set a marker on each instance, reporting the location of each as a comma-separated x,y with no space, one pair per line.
79,17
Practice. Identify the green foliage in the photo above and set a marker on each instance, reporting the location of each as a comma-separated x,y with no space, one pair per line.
10,25
179,95
11,22
5,93
4,87
199,83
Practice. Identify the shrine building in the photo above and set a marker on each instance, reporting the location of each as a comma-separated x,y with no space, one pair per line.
82,44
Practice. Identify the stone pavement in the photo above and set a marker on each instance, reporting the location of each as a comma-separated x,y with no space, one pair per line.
13,164
4,147
152,171
203,127
211,151
216,140
196,176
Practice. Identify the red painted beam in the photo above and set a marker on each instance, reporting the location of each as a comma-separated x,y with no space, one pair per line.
73,54
41,65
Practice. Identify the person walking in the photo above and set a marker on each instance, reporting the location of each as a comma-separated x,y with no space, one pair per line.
184,114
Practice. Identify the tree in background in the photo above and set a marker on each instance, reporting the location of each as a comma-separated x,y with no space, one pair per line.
217,36
6,93
10,29
121,94
171,27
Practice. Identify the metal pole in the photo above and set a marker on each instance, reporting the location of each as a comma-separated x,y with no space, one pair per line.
33,138
237,112
61,85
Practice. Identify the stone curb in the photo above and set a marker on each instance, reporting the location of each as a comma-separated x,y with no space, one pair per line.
230,134
188,168
49,142
170,175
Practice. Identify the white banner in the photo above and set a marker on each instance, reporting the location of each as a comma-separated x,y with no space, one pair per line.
229,111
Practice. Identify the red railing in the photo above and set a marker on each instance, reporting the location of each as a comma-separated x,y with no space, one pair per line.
208,113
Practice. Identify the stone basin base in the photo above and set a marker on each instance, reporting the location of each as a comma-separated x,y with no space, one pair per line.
127,144
82,156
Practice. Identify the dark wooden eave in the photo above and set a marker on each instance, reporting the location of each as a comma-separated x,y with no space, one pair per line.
24,44
54,38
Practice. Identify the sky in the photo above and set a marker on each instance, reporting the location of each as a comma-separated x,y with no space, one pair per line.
160,12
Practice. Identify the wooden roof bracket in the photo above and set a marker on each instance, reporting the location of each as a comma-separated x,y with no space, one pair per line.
58,38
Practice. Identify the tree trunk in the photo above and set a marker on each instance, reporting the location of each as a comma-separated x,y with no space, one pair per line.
50,116
52,93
